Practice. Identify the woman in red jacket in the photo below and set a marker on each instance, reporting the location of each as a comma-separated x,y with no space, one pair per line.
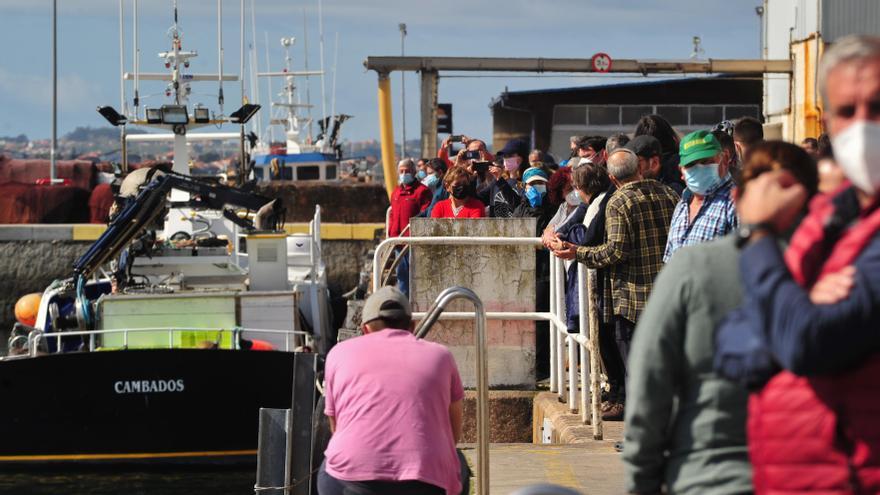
461,202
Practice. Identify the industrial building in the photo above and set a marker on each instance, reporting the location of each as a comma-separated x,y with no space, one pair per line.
800,30
547,118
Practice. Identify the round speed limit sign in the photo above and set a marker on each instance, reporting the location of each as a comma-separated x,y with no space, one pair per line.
601,62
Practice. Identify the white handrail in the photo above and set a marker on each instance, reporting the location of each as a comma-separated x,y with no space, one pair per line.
561,342
36,336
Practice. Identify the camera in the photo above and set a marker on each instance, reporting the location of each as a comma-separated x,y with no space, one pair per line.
455,138
472,155
481,167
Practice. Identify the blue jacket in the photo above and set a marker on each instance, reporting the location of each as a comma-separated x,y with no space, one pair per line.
582,235
778,323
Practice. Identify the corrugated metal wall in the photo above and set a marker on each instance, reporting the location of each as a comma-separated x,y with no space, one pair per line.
843,17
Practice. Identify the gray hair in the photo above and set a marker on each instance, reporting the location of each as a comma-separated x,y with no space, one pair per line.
616,141
407,162
846,50
623,164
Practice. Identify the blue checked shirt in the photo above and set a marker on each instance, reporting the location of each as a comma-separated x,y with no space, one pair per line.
716,218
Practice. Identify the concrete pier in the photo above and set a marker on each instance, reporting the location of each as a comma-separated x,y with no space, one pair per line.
592,468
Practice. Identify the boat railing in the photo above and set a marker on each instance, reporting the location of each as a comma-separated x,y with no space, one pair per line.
482,366
567,385
35,337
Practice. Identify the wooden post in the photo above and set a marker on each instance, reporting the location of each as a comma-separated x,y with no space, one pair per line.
595,391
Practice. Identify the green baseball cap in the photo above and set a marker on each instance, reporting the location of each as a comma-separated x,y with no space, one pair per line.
697,146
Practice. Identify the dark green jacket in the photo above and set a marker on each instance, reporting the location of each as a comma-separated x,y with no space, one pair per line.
685,426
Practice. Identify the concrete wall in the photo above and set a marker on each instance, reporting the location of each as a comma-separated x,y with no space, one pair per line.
503,277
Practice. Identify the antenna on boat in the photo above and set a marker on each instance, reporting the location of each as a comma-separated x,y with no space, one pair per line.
310,137
323,94
220,53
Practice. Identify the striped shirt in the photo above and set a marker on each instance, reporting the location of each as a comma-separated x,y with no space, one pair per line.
716,218
636,223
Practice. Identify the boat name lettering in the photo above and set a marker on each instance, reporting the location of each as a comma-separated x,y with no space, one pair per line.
148,386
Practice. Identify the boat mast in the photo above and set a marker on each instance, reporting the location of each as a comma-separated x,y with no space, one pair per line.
255,86
324,118
332,122
310,138
269,83
123,103
242,156
54,91
220,53
136,55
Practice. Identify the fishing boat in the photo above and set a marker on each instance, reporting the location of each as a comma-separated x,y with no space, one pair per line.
300,158
179,323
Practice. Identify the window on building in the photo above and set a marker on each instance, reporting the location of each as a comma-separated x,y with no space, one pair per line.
706,115
630,115
570,115
733,112
605,115
675,115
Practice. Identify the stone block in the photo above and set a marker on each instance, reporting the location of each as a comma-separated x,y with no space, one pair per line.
504,279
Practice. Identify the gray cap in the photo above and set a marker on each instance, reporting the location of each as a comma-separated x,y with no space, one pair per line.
386,303
644,146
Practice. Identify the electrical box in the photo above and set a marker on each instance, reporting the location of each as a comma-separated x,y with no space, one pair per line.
267,261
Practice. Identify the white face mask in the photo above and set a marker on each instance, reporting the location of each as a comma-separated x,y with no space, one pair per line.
857,151
573,198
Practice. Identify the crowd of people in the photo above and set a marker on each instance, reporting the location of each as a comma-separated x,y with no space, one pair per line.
735,280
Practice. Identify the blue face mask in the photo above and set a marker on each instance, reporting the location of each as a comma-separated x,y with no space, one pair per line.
535,195
701,179
421,174
406,179
431,181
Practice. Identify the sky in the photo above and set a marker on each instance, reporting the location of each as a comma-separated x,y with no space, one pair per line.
88,50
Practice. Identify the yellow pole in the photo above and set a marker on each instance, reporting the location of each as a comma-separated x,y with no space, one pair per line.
386,131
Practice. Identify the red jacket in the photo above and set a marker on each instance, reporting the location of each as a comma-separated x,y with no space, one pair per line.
819,434
472,208
407,202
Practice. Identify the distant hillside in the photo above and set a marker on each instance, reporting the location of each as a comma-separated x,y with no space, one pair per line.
92,134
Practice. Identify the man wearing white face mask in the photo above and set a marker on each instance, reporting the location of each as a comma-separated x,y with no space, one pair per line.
706,209
814,310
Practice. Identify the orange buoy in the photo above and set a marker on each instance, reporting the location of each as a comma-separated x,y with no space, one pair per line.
261,345
27,307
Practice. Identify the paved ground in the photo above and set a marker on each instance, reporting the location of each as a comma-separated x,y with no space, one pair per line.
592,468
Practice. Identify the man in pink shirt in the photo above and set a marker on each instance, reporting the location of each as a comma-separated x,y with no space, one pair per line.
394,405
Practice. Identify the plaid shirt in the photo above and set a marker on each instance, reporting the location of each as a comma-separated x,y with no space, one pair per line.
636,223
716,218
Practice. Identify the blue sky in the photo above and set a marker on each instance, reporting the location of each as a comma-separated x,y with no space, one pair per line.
89,49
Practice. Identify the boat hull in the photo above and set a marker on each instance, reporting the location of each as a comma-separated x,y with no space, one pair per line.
168,406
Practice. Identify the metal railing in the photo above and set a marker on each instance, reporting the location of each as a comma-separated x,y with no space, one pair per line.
36,336
482,371
566,385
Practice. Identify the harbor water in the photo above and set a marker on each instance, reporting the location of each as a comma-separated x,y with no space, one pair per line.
216,481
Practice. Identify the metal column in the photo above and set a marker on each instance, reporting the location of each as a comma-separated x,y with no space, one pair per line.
386,131
429,113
